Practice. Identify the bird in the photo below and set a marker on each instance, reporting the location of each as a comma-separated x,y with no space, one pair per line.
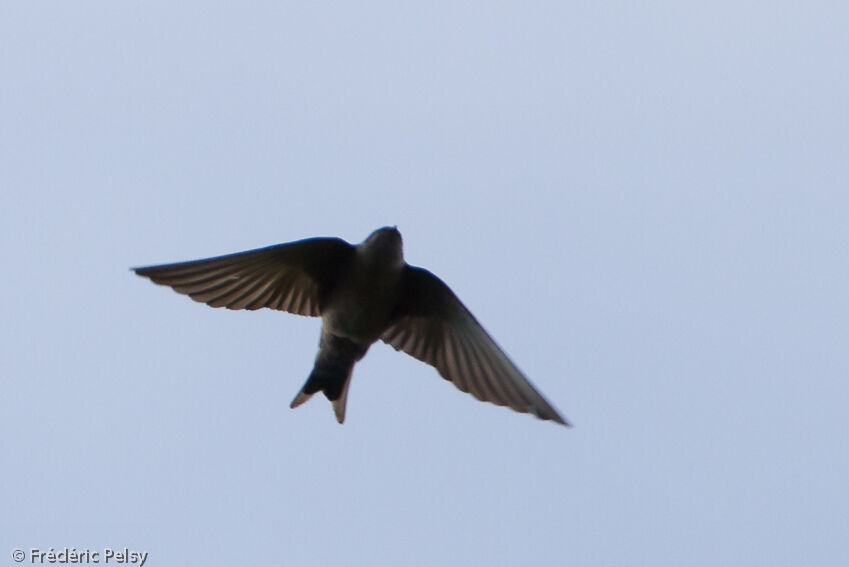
363,293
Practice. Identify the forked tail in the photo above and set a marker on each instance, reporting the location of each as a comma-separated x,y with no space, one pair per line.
331,374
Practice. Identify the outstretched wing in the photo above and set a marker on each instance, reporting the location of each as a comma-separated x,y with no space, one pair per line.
434,326
296,277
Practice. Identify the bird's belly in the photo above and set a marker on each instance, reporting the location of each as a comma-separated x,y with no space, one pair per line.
357,317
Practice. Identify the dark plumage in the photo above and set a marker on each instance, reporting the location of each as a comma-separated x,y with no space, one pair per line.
362,293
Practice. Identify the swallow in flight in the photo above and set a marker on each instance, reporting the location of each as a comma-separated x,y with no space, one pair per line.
362,293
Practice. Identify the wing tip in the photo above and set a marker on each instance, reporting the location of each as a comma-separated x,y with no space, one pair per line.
564,422
550,414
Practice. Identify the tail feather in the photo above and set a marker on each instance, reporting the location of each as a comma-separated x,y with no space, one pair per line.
340,402
299,399
332,372
333,382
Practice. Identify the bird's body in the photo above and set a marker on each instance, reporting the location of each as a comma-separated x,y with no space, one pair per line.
363,294
360,307
357,313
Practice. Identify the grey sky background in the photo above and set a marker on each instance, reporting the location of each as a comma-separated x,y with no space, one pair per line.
646,206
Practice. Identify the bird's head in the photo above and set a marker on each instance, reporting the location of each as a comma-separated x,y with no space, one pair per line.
385,245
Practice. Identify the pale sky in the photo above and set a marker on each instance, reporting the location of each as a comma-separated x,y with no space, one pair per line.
646,206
